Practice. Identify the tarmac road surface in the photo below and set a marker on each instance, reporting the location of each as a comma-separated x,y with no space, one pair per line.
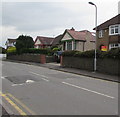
33,90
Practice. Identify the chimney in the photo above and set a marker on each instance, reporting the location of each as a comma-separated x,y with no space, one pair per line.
72,29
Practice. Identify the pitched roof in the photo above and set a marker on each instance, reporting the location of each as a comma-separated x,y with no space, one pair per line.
90,35
112,21
57,40
11,40
81,35
45,40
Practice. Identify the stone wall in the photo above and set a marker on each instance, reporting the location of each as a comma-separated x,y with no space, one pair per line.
108,66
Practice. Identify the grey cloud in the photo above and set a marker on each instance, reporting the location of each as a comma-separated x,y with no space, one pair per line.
35,16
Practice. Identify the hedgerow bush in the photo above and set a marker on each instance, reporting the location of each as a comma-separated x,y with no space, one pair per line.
11,51
113,53
45,51
56,49
88,54
69,53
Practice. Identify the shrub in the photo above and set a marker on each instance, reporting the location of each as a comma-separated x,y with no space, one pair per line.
113,53
69,53
56,49
23,42
11,50
89,54
46,51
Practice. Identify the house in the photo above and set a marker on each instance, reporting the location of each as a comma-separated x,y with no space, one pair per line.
43,42
78,40
57,40
108,34
10,43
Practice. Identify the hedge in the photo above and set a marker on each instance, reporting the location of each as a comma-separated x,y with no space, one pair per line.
11,51
113,53
45,51
69,53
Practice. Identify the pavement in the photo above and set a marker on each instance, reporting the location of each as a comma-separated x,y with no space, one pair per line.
3,112
57,66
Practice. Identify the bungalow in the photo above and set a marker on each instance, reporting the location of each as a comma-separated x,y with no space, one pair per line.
108,34
10,43
43,42
78,40
57,40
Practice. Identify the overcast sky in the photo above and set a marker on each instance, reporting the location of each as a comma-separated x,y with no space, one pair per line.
51,17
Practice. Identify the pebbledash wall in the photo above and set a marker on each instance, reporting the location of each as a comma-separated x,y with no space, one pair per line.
38,58
106,65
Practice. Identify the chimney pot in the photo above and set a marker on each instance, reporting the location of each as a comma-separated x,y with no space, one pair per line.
72,29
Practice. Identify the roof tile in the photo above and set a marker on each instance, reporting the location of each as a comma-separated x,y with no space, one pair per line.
45,40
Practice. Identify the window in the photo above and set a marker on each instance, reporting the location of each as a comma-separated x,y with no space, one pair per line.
74,43
114,29
69,45
100,33
114,45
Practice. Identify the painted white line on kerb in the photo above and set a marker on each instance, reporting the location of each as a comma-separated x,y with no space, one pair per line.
41,76
88,90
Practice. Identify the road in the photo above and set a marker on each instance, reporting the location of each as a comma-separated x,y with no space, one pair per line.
34,90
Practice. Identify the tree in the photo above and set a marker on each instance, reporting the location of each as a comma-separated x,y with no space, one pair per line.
24,42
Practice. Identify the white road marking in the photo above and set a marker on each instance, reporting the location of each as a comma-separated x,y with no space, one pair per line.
88,77
35,73
45,79
2,77
41,76
29,81
22,84
44,76
88,90
17,84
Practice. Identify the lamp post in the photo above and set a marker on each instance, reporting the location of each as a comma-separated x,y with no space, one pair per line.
95,58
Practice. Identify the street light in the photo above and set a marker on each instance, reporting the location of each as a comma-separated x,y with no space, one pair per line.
95,58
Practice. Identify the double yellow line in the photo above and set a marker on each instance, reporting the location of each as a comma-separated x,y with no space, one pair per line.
20,111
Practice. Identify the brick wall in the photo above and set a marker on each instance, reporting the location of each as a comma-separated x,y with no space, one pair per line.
108,66
31,58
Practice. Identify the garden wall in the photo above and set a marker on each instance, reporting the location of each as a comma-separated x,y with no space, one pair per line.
106,65
38,58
